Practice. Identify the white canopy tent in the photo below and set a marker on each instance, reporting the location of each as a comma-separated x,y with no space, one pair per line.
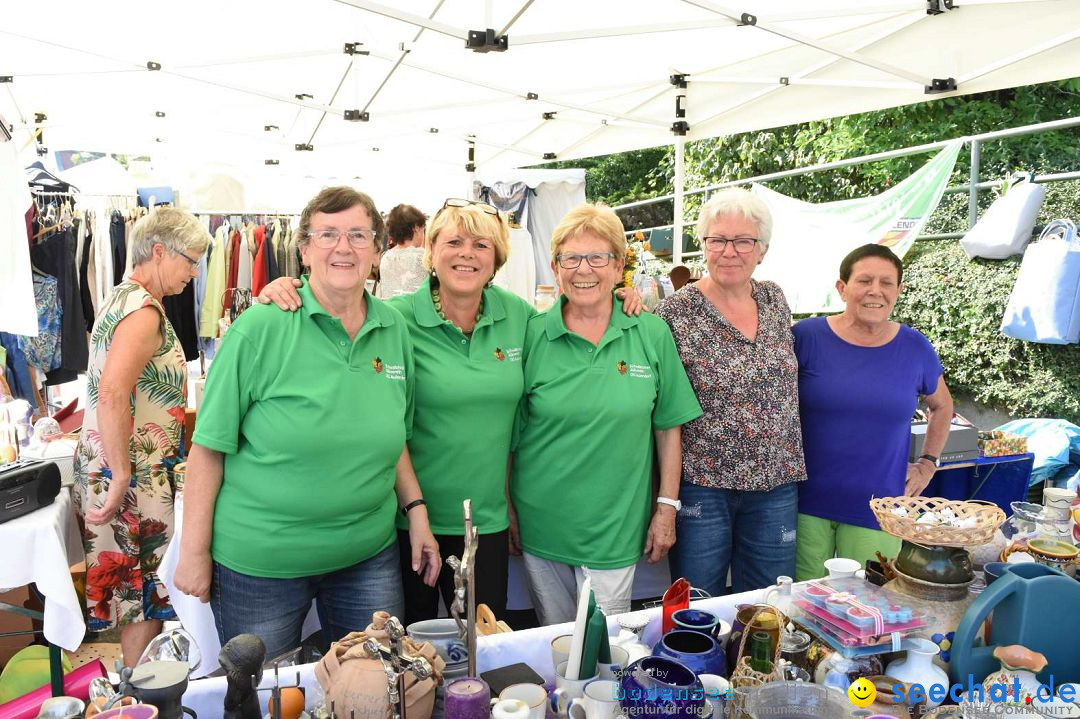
388,97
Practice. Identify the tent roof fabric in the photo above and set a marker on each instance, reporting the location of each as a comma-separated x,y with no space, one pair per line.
245,82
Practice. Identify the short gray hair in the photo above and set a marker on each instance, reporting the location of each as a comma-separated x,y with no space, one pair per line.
175,229
736,201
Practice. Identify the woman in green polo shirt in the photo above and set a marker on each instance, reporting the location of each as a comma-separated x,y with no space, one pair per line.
599,387
290,494
467,337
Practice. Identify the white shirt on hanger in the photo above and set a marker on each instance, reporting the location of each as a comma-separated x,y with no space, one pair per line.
19,313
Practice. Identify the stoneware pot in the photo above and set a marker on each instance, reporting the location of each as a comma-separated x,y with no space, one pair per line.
658,686
918,667
695,650
941,565
945,604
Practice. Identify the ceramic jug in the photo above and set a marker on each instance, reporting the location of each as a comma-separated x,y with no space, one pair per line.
918,667
1017,675
1030,604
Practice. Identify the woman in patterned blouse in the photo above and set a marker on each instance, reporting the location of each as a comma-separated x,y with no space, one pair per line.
743,457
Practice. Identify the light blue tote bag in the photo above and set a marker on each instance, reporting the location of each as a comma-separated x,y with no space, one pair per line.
1045,302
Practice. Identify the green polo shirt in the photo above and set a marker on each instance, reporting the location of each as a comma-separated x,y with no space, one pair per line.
584,447
312,425
467,393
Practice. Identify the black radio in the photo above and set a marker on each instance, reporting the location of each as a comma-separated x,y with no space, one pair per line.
26,486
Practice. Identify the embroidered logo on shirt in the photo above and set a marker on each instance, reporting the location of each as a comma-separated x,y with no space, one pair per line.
641,371
500,355
377,365
513,354
395,372
621,366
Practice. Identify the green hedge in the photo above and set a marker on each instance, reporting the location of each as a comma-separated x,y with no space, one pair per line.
958,304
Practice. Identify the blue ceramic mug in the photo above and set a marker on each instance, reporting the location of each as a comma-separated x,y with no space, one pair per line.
696,620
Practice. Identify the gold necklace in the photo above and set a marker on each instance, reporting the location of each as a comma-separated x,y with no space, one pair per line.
437,301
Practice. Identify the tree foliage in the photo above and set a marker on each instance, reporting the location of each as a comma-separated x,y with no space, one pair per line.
956,302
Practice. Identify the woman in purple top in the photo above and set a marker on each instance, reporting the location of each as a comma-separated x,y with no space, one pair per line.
743,457
860,378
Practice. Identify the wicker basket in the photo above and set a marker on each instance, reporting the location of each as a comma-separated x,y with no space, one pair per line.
986,515
743,676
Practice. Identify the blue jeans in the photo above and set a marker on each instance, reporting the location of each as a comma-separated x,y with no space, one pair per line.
752,533
274,609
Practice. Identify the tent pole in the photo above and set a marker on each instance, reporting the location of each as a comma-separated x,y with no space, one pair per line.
973,184
680,180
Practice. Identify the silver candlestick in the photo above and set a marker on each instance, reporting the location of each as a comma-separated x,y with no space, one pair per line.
465,588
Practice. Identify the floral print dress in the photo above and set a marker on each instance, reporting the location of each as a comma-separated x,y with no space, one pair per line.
122,558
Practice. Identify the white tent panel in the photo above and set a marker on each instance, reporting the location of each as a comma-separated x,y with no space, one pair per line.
231,69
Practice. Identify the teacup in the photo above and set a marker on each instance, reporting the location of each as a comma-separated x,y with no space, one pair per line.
533,696
840,567
600,701
567,689
1049,552
716,689
696,620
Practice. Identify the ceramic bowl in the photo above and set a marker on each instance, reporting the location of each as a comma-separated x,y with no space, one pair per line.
443,635
661,687
992,571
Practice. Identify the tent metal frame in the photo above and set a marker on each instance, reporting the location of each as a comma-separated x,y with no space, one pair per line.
973,186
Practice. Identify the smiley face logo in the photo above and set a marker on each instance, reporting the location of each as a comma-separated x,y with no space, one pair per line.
862,692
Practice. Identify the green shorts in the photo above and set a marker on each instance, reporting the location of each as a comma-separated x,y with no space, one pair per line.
818,540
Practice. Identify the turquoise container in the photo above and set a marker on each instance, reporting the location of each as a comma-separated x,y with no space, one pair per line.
1034,606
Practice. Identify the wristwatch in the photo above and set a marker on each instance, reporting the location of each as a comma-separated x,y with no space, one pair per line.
932,459
670,502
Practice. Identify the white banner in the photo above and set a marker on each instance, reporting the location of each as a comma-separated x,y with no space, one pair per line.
809,240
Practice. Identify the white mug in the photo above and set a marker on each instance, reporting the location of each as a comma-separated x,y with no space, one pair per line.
612,671
533,696
510,709
840,567
567,690
560,649
716,687
600,701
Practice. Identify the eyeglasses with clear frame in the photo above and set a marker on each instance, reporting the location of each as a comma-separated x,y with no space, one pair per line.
327,239
572,261
742,245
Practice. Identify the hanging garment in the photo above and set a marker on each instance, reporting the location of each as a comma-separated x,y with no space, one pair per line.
82,254
216,277
16,290
119,247
243,263
272,269
16,369
518,275
180,310
55,255
43,351
234,269
258,267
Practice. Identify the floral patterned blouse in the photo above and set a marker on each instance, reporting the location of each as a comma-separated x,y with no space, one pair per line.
401,271
122,559
749,437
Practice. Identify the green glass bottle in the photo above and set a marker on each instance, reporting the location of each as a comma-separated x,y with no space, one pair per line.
760,653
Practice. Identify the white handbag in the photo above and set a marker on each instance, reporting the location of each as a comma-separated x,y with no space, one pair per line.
1005,228
1045,302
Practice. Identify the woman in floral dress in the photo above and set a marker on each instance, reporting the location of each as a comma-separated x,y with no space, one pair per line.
132,433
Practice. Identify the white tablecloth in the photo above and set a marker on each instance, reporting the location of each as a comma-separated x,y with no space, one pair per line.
40,547
194,615
532,646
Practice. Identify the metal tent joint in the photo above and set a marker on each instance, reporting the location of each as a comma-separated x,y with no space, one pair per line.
678,81
153,66
549,115
271,162
6,78
941,84
531,96
304,147
747,19
355,48
936,7
486,41
549,155
680,106
680,128
357,115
